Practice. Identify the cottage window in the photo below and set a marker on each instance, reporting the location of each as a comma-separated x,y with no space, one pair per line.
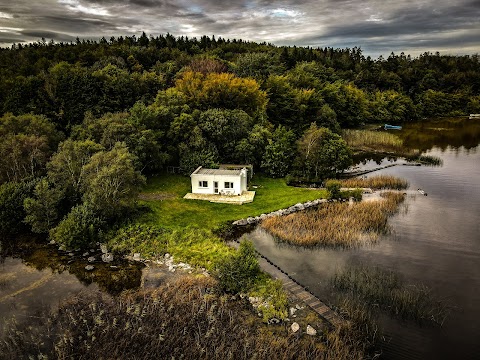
203,184
228,185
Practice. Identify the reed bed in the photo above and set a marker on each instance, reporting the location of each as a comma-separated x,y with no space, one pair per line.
378,182
186,319
386,289
336,224
367,140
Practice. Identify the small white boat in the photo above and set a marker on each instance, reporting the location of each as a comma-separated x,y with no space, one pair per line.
474,116
422,192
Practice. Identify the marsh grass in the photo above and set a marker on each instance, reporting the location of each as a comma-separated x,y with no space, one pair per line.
336,224
185,319
198,247
385,289
367,140
378,182
427,160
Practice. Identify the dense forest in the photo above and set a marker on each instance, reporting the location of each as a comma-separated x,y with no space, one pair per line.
83,123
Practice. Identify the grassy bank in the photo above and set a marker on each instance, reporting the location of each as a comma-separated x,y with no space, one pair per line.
378,182
336,224
163,196
385,289
373,141
185,319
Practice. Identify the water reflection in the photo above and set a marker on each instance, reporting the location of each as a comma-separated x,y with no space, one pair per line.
435,243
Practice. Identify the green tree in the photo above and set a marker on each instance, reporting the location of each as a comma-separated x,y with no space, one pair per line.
322,153
197,151
12,213
42,209
66,167
279,153
110,183
27,143
224,129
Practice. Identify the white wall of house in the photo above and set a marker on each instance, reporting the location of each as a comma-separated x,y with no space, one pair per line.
205,183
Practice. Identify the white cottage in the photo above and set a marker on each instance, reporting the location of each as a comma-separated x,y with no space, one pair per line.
219,181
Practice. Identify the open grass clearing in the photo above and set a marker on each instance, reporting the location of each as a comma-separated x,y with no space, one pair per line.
176,212
336,224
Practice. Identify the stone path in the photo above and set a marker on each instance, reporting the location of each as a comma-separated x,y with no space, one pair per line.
298,290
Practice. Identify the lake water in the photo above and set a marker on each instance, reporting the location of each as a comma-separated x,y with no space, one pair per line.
435,241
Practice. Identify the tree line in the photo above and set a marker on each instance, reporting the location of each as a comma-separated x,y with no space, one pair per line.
83,123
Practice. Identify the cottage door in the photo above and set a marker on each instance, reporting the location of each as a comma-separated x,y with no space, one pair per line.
215,187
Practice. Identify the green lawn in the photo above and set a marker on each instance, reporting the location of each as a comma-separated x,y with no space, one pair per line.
170,210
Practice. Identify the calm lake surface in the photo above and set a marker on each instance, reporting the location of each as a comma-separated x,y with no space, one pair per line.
435,241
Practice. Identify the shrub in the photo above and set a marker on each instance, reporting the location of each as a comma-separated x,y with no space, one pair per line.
238,272
333,189
80,228
275,302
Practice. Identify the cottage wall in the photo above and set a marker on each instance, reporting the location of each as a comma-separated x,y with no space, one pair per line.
239,183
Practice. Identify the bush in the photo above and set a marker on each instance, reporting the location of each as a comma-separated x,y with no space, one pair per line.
275,302
80,228
238,272
333,189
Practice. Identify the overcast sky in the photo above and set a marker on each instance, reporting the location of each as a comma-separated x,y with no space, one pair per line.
377,26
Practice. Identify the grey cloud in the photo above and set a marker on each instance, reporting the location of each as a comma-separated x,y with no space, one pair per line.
372,24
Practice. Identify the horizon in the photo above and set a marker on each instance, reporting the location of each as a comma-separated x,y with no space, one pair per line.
377,27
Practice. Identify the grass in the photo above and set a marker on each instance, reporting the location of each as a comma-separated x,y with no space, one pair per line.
174,212
386,289
336,224
184,319
378,182
377,141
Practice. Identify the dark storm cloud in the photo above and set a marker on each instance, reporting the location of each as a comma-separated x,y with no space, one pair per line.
377,26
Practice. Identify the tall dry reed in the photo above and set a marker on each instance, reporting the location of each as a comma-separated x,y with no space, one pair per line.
336,224
373,140
186,319
375,182
385,289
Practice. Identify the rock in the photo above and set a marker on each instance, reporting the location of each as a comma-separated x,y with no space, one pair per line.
263,217
91,259
171,268
242,222
251,220
136,257
299,307
104,249
61,248
89,267
85,254
167,256
295,327
273,321
299,207
107,257
71,254
92,250
293,310
52,242
311,331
